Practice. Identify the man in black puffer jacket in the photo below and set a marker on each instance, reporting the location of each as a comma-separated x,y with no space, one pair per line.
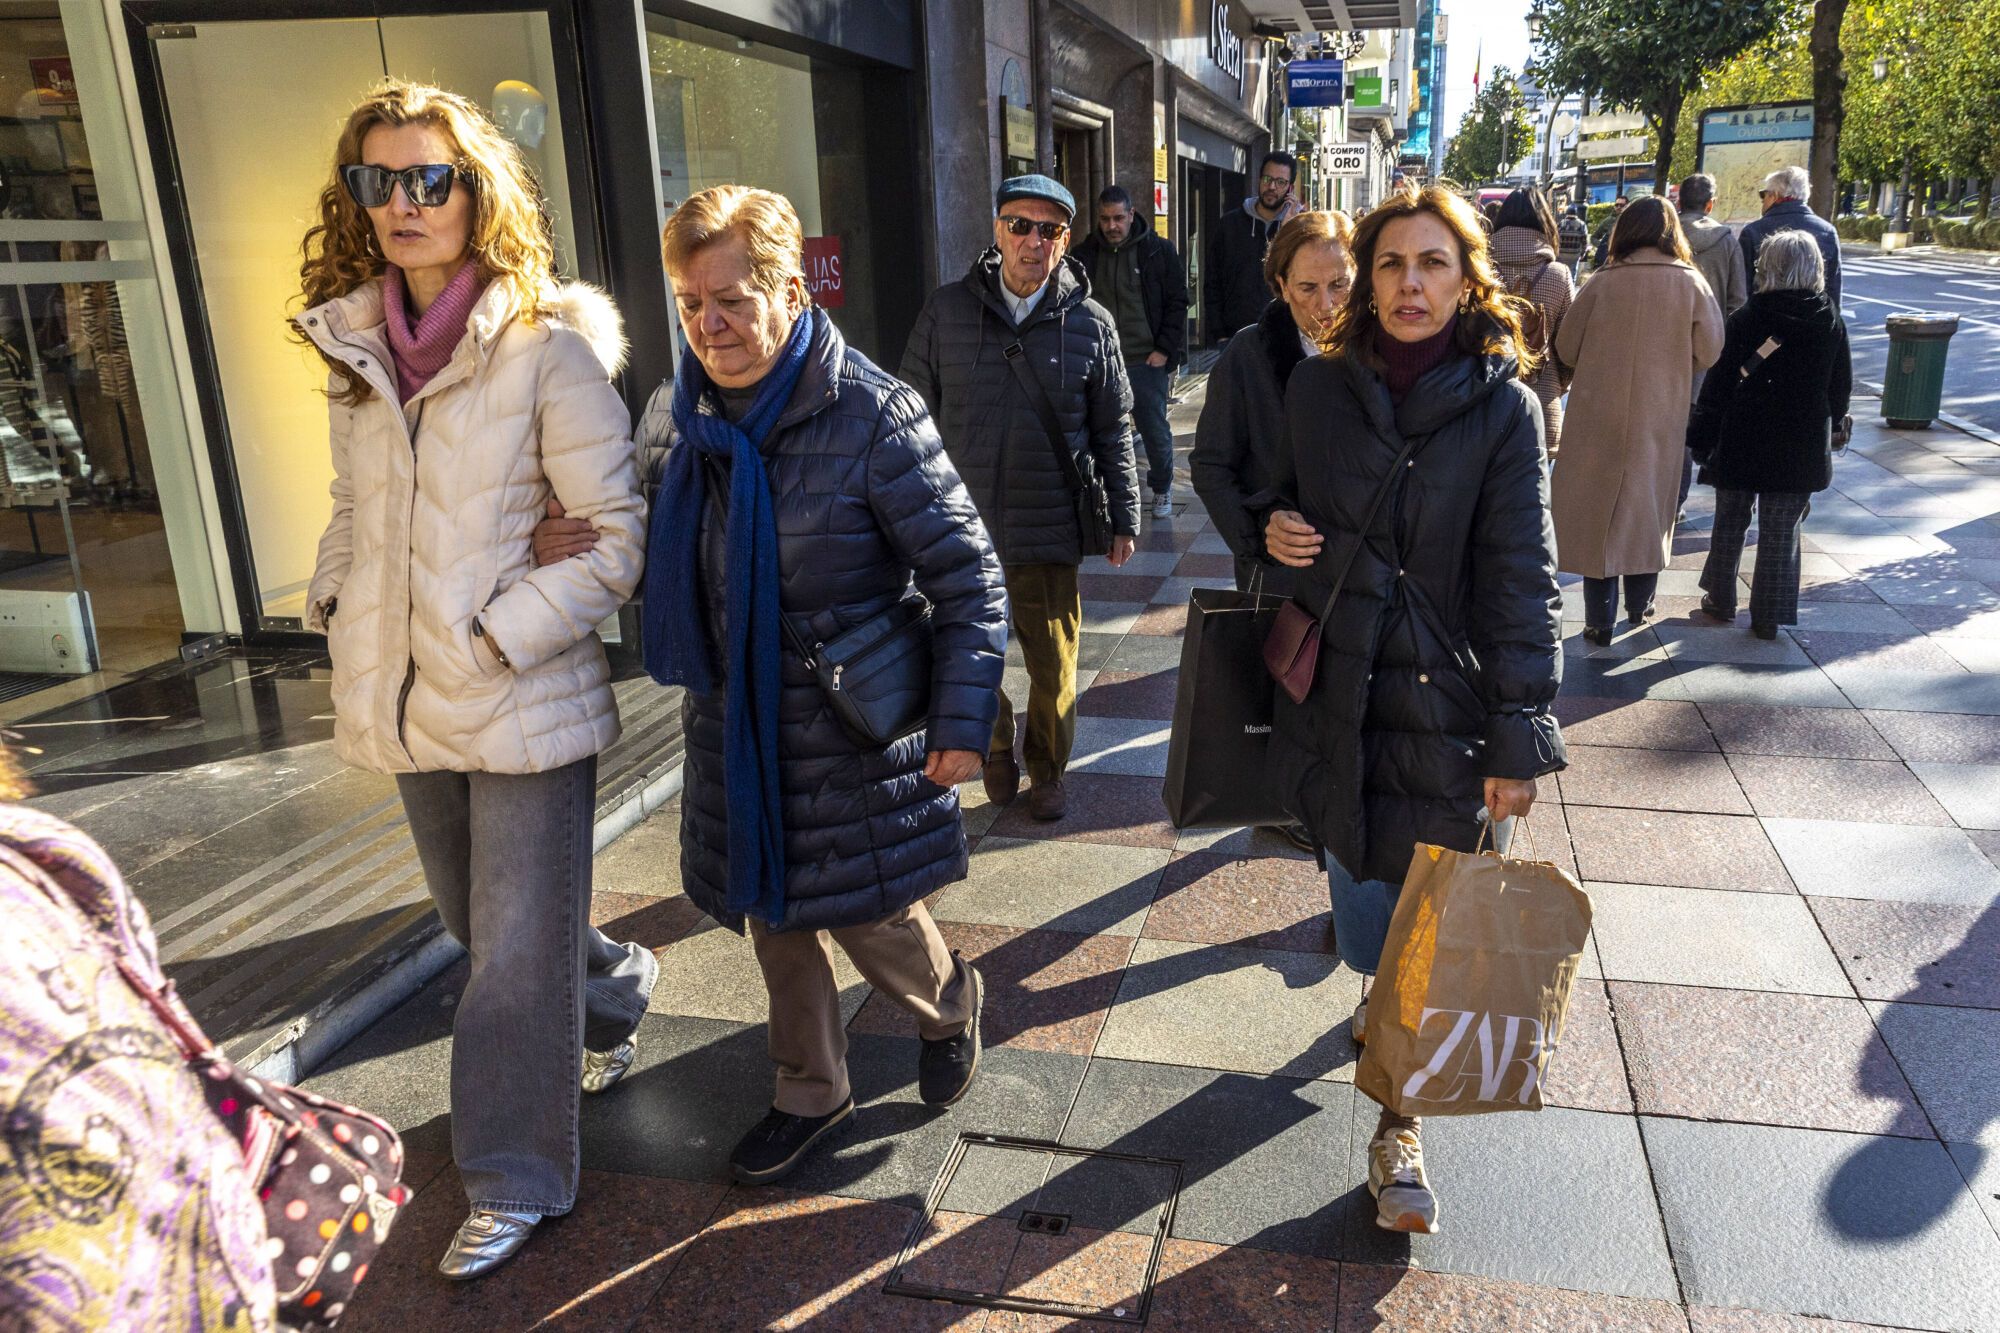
1024,289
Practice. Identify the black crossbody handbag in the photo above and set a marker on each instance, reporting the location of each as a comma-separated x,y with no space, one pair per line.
877,675
1093,501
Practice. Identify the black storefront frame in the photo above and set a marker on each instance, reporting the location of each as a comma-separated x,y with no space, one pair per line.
616,235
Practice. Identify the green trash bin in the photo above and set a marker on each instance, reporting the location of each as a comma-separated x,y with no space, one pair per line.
1913,384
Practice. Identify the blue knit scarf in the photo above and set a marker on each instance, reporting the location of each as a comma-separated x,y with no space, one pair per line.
677,647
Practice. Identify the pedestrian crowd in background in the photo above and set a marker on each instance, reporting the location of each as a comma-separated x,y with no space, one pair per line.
1415,424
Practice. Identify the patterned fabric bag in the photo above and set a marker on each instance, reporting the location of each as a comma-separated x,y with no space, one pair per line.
329,1176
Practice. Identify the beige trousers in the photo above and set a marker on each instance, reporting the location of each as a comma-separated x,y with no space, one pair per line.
902,956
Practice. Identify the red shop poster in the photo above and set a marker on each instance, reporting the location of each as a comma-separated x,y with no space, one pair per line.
823,272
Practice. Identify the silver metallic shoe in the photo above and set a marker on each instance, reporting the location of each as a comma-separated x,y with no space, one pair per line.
485,1240
602,1069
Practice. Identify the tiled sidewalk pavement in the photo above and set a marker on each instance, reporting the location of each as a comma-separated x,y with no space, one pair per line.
1779,1096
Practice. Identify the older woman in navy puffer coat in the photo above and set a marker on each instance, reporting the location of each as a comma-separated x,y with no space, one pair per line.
793,478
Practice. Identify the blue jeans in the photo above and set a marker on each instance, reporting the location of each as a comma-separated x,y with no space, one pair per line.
1150,386
1362,908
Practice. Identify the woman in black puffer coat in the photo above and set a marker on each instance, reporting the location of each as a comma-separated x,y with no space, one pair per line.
1763,429
1429,715
862,503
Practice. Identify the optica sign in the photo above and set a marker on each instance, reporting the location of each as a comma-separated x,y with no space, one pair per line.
1315,83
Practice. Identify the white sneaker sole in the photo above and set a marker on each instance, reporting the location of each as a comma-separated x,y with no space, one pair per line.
1397,1215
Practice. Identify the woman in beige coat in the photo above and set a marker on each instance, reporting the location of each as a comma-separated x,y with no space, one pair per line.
469,388
1637,333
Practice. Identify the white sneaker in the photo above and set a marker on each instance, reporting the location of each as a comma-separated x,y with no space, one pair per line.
1403,1198
1163,505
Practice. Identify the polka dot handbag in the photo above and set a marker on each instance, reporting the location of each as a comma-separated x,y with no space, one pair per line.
330,1176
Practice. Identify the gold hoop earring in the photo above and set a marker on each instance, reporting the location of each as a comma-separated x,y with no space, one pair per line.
1465,300
1371,307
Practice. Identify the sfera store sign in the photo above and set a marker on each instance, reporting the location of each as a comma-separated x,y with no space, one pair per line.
1225,48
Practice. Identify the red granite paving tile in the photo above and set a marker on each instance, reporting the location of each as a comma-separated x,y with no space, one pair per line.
1826,733
1709,1319
1409,1300
1927,953
1204,1288
1126,588
1103,807
653,922
1637,724
1939,738
1095,1270
594,1269
1860,790
1157,538
1545,836
1663,847
1651,780
1133,694
774,1260
1265,903
1809,1061
964,1252
1046,990
1196,566
1162,622
1588,1069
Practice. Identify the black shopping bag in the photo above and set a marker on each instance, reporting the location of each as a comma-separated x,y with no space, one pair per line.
1217,775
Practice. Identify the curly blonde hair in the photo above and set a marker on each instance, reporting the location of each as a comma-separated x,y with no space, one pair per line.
1354,324
511,236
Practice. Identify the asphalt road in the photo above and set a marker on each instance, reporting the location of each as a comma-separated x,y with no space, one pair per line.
1874,287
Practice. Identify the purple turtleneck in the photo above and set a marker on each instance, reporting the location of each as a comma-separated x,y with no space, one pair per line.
422,349
1403,364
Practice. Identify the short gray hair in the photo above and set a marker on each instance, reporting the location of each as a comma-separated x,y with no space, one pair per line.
1789,183
1790,261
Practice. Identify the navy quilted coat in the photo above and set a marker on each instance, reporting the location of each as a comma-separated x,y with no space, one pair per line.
1443,654
864,499
956,359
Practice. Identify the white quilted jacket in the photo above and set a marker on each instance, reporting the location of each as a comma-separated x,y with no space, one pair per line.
434,507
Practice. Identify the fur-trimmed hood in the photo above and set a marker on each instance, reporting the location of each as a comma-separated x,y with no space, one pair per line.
585,310
590,312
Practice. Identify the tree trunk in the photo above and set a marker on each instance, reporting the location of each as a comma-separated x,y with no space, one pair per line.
1829,101
1985,198
1666,124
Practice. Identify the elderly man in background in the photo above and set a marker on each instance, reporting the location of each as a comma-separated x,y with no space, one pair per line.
1025,299
1784,198
1720,259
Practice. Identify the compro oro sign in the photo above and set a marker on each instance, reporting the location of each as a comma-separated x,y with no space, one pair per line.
1347,159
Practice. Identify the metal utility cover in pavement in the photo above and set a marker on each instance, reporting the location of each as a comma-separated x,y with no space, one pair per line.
1021,1224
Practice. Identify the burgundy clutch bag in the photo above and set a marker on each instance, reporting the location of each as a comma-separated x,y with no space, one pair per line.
1291,652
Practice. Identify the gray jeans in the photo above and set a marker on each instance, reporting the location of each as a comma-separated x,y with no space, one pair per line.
507,859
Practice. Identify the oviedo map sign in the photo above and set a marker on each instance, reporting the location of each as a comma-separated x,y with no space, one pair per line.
1740,145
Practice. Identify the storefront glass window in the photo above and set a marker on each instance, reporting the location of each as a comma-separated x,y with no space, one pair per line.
246,241
104,550
728,111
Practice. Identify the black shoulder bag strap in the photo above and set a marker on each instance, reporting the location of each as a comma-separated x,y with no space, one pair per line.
1360,536
1038,398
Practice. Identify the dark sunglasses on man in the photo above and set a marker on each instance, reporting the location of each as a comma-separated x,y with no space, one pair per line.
1020,226
425,186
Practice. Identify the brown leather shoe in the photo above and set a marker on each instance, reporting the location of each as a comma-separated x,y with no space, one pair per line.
1046,801
1003,778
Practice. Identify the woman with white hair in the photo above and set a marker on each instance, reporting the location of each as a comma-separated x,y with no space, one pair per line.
1764,427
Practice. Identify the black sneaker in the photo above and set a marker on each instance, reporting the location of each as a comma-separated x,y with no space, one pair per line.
780,1141
945,1068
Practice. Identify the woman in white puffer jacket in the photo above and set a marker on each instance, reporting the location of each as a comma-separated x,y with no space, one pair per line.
468,390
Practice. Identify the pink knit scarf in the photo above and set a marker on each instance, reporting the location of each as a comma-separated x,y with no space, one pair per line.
420,352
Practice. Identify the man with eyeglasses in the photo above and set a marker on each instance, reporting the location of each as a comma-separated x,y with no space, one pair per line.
1136,275
1783,196
1025,306
1233,294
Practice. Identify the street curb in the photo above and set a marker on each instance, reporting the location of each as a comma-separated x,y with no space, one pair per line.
1959,424
315,1040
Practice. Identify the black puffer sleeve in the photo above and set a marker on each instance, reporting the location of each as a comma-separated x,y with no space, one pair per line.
1514,619
1110,423
931,524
